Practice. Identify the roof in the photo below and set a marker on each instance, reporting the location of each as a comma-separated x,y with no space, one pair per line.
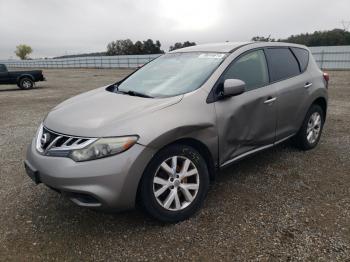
229,47
224,47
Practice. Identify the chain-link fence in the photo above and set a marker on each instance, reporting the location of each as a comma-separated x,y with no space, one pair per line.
327,57
332,57
126,61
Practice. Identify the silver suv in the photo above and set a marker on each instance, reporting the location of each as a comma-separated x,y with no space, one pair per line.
158,137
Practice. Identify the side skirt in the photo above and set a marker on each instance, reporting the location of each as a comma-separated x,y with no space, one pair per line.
256,150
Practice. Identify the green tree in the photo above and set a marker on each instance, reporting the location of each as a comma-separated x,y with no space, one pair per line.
114,48
127,47
188,43
22,51
179,45
321,38
263,39
138,48
149,47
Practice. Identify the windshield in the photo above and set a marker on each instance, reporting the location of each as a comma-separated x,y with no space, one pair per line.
172,74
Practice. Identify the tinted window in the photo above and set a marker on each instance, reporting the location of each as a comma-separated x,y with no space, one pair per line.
2,68
251,68
282,63
303,57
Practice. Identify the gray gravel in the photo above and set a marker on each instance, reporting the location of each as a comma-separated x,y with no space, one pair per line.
282,204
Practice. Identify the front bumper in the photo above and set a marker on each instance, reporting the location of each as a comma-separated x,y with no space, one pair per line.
108,183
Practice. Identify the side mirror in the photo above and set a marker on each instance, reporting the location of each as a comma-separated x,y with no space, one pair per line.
233,87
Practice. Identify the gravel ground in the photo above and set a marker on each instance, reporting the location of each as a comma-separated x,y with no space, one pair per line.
282,204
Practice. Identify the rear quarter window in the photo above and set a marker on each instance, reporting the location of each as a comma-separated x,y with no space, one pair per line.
302,56
282,63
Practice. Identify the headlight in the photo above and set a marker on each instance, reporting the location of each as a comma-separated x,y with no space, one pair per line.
103,147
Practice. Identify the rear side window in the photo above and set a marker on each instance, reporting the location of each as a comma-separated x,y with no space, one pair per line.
250,68
302,56
282,63
2,68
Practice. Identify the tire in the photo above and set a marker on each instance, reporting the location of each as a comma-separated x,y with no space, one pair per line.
168,184
26,83
310,125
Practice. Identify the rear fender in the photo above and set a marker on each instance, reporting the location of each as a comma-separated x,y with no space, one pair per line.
25,76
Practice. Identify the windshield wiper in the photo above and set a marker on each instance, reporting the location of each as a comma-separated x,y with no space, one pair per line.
134,93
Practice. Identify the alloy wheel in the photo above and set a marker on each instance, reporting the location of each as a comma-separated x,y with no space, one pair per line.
313,127
27,84
176,183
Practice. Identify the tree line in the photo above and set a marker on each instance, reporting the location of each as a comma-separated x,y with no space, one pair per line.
318,38
179,45
127,47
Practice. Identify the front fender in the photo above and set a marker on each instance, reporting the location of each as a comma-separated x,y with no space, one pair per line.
192,119
205,134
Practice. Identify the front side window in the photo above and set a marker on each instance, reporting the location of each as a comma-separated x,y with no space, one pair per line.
250,68
173,74
282,63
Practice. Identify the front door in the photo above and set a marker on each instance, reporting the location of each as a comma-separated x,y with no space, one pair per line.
4,75
247,121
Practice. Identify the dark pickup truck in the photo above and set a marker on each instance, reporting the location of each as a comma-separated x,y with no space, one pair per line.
23,79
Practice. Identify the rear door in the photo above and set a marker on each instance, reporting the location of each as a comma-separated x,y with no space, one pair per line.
291,80
247,121
4,75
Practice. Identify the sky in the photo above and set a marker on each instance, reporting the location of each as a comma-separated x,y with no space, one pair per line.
60,27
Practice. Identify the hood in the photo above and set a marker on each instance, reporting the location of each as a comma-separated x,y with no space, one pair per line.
99,113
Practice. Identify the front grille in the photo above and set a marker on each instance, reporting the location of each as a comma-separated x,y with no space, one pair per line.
49,141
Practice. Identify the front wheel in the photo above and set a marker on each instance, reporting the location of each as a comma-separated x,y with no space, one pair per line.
26,83
174,184
310,132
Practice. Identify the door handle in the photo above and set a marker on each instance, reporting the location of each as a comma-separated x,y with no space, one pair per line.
270,100
307,84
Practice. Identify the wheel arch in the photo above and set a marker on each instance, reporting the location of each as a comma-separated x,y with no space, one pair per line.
25,76
322,102
203,150
196,144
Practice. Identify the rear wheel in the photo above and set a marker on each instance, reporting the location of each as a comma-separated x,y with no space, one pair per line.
175,184
310,132
26,83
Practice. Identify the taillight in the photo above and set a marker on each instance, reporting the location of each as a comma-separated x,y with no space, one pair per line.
326,77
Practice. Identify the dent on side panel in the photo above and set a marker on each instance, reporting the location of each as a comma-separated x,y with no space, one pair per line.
193,119
204,130
205,133
244,124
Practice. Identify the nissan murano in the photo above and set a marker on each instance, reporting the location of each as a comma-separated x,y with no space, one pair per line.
158,137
